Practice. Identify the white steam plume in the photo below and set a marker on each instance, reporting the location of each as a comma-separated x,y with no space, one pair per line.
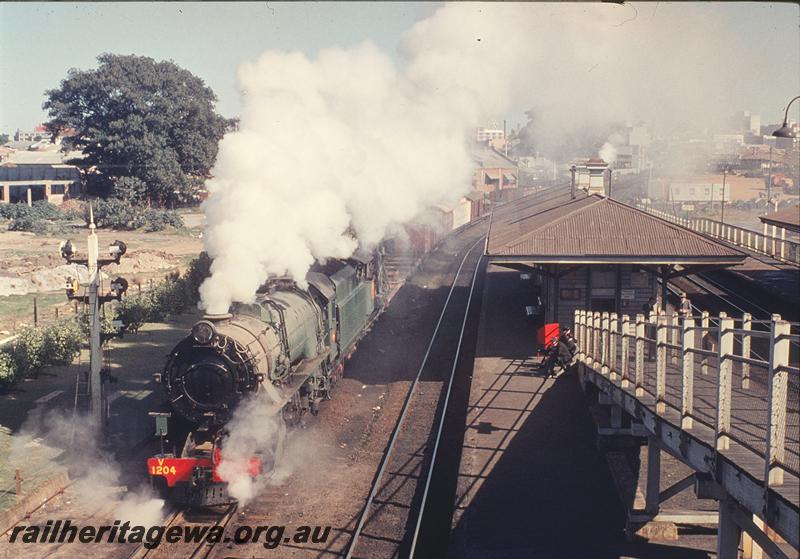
344,145
72,442
608,152
257,429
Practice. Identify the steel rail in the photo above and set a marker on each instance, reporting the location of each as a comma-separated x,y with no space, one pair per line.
406,406
444,411
204,549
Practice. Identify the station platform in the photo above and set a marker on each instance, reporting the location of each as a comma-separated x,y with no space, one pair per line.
531,481
766,276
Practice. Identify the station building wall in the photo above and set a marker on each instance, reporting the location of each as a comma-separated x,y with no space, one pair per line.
623,289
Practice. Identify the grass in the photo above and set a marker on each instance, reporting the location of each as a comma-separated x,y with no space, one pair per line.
16,309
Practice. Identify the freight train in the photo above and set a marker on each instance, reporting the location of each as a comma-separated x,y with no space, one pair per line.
290,343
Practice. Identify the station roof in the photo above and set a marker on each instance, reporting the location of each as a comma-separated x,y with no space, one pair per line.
788,218
486,156
28,173
552,227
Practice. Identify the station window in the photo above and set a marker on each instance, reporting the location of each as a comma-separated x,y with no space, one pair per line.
57,189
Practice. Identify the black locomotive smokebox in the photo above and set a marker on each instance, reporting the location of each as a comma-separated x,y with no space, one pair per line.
217,317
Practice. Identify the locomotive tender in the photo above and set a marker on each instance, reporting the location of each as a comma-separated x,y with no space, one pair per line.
290,343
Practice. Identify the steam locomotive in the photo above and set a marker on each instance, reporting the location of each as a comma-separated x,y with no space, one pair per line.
290,343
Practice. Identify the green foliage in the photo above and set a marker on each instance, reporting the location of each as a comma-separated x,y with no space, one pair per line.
39,210
41,218
134,311
138,118
37,347
116,213
27,351
173,296
199,270
62,342
132,189
8,371
3,139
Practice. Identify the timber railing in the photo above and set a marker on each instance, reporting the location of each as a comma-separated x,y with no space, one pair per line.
735,376
774,244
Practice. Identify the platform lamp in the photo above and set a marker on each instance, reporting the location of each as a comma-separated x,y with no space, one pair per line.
784,131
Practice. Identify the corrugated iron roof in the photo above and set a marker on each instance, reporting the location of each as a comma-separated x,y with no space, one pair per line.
551,224
489,157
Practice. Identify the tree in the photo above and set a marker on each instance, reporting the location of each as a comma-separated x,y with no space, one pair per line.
145,127
3,139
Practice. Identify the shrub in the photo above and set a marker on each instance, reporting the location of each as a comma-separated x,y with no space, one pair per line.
158,220
40,218
131,189
27,351
135,311
62,342
116,213
7,370
31,224
172,296
199,270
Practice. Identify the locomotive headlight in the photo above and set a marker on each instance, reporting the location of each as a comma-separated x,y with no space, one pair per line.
203,332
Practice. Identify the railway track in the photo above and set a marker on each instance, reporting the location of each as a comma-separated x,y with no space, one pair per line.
392,517
189,520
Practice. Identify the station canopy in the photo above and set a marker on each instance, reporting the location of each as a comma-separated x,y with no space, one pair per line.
788,218
555,227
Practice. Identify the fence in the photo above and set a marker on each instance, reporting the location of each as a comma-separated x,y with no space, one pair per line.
736,376
775,246
41,309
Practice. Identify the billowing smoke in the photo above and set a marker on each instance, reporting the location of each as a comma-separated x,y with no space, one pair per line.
257,429
333,150
608,153
70,442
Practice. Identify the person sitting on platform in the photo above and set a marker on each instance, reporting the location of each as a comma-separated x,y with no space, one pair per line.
562,354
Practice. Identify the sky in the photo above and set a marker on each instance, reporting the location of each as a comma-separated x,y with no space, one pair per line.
39,42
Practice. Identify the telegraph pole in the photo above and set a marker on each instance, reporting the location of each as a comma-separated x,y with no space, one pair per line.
98,402
724,176
769,181
95,351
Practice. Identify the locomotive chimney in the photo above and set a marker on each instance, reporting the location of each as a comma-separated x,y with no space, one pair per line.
217,317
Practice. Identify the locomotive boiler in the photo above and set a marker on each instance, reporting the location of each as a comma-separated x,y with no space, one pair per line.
290,343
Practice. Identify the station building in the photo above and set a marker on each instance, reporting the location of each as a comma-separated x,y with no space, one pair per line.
30,183
588,251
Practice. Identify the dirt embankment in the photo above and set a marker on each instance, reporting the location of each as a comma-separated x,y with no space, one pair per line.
32,264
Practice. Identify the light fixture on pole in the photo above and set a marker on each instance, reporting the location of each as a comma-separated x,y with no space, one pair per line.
786,131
